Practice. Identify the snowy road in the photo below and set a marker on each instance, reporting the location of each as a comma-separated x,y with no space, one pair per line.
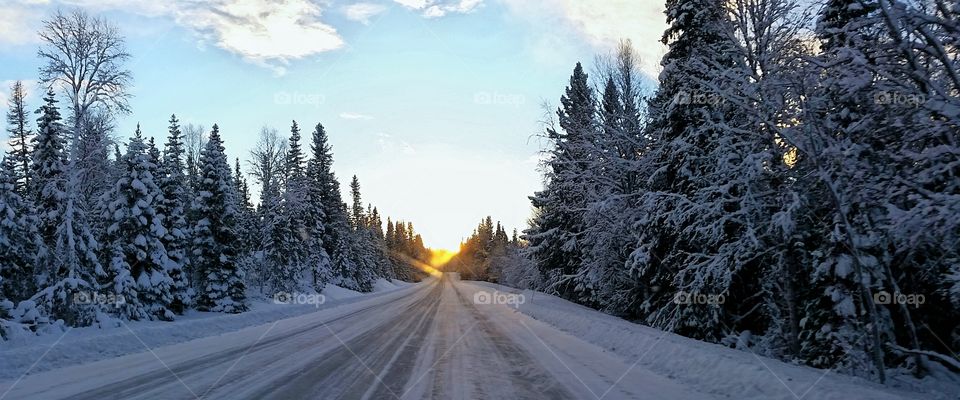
431,340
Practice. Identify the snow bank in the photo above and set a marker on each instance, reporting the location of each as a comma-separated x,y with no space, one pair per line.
83,345
708,367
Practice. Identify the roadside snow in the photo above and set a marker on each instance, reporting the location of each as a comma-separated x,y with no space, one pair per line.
709,368
83,345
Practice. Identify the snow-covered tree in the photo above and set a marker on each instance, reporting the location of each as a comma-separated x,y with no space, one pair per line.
71,267
285,250
20,135
20,244
221,285
558,221
138,262
48,166
173,207
337,238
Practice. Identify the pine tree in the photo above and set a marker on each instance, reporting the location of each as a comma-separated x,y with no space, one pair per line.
48,167
336,225
20,136
20,244
90,158
681,127
72,268
221,282
247,224
362,246
558,217
139,264
173,207
318,260
285,247
356,210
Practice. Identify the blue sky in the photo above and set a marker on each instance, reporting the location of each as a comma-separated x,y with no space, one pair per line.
433,104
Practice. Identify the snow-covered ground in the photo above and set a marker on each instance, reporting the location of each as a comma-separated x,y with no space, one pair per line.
83,345
442,338
713,368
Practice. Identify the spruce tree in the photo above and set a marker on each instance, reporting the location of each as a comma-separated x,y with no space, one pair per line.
139,264
558,208
214,255
318,260
20,136
336,225
173,208
285,248
72,268
20,244
48,166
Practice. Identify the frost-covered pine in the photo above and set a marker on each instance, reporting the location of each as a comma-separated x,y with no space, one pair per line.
285,244
362,242
173,207
20,244
335,224
318,260
247,222
221,285
618,171
138,263
48,166
557,219
20,135
383,266
71,268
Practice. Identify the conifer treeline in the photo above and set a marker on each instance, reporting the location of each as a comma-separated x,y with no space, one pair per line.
798,195
160,238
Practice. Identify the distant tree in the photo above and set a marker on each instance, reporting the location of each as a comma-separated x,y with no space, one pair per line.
20,136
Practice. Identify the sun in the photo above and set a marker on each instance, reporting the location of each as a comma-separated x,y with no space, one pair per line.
440,257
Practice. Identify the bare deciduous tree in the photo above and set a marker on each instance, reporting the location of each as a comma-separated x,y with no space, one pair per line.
84,57
267,160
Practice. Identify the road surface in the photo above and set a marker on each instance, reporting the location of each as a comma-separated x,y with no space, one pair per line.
436,340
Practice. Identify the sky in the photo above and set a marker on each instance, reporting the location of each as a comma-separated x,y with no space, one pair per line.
435,105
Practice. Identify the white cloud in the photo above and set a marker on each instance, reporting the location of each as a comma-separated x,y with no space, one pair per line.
353,115
269,33
393,147
362,12
20,24
604,22
263,32
440,8
414,4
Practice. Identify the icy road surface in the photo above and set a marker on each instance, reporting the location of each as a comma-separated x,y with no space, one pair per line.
434,340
